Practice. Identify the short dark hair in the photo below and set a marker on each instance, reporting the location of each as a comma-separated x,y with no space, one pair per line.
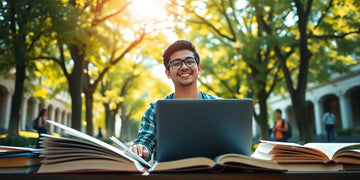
278,110
177,46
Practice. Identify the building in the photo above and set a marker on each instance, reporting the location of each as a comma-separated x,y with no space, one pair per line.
59,107
341,94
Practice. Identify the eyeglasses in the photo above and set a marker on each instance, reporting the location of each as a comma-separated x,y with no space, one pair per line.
178,63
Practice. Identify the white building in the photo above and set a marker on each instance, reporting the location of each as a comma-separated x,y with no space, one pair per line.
58,107
341,94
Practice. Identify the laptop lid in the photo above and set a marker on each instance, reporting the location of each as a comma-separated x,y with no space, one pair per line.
203,128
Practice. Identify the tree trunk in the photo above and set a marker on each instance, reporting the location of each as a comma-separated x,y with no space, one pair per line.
76,101
262,119
16,102
89,115
75,85
19,55
109,120
298,98
124,124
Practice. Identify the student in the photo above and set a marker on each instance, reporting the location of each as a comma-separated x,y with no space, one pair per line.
43,126
182,64
279,128
329,121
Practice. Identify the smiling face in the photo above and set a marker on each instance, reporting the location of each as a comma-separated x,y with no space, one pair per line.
184,76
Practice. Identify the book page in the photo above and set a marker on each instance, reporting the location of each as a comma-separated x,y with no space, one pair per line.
128,151
79,134
287,151
15,149
280,143
249,161
261,155
329,148
187,164
351,156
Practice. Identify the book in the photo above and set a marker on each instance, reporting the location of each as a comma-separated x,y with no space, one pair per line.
19,160
15,149
226,162
19,170
310,156
81,153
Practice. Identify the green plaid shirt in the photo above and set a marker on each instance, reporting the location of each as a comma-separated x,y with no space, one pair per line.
147,132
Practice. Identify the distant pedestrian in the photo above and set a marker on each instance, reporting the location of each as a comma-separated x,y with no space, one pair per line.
329,121
280,127
43,125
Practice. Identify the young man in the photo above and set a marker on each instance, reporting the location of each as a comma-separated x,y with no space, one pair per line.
329,121
182,64
279,128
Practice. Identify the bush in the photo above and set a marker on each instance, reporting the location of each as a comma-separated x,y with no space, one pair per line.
357,130
18,141
344,131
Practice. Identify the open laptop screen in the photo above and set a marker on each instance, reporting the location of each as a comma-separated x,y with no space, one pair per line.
203,128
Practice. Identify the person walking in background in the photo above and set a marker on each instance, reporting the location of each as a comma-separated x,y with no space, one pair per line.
43,125
279,128
329,121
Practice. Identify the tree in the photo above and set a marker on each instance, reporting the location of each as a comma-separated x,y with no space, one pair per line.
84,22
310,18
91,83
267,35
240,62
125,93
23,25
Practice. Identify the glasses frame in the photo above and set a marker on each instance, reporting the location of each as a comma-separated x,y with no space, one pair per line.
183,61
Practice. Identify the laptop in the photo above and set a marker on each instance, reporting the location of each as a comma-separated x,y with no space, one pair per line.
203,128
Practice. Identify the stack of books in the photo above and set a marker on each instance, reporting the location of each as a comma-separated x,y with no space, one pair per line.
19,160
81,153
311,156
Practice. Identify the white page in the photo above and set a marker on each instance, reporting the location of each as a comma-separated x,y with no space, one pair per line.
329,148
79,134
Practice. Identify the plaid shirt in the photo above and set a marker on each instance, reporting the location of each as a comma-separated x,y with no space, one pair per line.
147,132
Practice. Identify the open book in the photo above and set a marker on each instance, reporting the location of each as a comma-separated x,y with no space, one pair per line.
226,162
85,154
310,156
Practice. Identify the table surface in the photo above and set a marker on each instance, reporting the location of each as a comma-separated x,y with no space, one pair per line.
344,175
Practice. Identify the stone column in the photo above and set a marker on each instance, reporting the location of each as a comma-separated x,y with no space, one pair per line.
23,113
345,111
319,111
7,110
36,109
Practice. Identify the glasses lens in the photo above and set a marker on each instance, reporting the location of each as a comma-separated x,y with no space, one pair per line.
190,62
176,64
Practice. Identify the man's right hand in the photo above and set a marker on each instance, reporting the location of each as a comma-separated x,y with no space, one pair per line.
140,150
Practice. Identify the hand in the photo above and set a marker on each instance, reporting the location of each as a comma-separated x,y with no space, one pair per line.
140,150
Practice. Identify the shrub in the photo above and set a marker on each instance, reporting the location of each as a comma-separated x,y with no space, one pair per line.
344,131
18,141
